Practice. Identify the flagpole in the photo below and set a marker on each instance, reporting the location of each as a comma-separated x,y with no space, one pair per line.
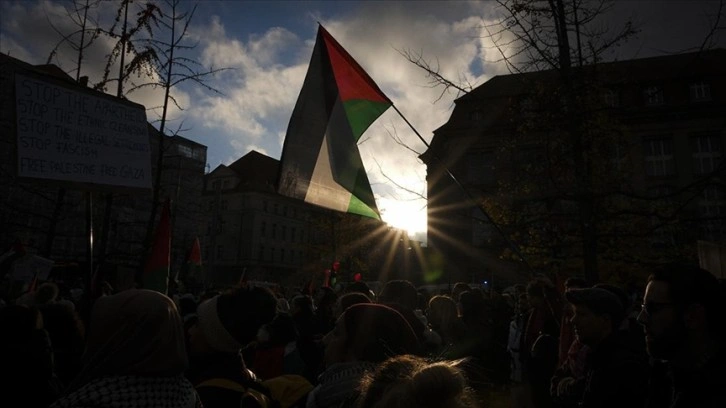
89,292
511,244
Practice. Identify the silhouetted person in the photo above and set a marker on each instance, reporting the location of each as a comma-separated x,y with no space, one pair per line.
683,318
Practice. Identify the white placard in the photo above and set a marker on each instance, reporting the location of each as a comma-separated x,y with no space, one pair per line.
69,135
30,266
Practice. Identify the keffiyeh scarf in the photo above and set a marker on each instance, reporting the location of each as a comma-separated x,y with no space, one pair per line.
131,392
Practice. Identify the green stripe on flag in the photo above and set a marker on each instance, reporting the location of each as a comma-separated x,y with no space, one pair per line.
361,113
357,206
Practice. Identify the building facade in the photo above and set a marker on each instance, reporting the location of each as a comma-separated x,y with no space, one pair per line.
624,167
50,219
253,230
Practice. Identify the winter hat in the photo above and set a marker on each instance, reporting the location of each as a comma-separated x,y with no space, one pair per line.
231,320
599,300
375,332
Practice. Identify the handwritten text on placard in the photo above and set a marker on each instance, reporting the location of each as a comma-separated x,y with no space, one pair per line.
70,135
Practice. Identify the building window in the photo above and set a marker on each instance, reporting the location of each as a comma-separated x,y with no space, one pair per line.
476,115
292,234
261,253
284,232
713,202
700,91
216,184
712,206
659,160
480,168
611,98
275,208
706,153
263,228
198,154
224,204
274,231
272,254
653,96
264,206
482,230
282,255
185,151
284,211
225,184
619,157
220,252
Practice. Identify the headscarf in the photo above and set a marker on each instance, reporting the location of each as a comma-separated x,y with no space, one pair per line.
135,332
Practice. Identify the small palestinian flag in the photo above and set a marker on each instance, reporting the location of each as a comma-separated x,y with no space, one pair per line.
156,270
192,268
320,162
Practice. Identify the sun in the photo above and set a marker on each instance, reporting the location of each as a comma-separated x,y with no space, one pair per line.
408,216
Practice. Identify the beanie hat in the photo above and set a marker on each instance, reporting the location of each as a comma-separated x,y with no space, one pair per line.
231,320
600,301
375,332
214,331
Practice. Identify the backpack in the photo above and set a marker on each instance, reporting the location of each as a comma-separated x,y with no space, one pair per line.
285,391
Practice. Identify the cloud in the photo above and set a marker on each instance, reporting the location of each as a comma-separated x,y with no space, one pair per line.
258,92
32,30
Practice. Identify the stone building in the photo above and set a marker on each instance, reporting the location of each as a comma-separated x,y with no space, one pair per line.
50,218
252,229
634,162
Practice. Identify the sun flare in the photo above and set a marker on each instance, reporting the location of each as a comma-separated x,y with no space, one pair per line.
408,216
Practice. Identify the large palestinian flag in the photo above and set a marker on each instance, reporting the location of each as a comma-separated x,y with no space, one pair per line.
320,161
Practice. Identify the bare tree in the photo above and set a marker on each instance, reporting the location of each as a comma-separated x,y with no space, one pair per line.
567,201
172,67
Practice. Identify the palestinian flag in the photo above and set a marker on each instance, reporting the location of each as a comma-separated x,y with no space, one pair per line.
192,267
320,162
156,270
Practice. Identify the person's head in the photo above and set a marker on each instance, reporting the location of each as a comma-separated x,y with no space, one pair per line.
348,300
360,287
279,332
682,309
521,302
187,305
229,321
46,293
620,293
399,291
409,381
458,289
575,282
135,332
442,311
369,332
301,305
471,303
597,314
325,298
538,290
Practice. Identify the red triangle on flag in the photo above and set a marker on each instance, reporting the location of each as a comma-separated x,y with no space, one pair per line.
195,253
156,270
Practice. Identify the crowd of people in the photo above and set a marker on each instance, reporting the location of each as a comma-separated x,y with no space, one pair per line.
532,347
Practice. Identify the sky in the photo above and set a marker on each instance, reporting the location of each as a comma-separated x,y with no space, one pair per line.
267,46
